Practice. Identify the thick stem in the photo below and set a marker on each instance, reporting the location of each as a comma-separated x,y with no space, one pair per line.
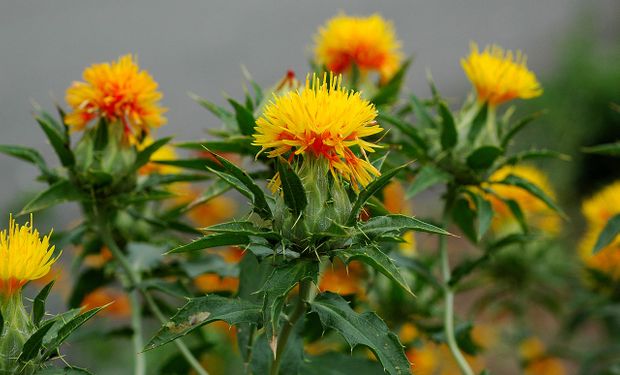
287,329
134,283
449,302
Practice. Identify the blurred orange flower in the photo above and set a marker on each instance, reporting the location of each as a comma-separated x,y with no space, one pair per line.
120,308
341,279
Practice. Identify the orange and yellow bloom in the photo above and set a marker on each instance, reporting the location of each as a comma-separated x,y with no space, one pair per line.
24,256
324,121
368,42
597,210
500,76
117,92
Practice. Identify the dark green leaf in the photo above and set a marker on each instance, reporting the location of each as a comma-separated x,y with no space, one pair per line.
484,214
242,228
362,329
258,197
204,310
483,157
465,217
35,341
612,149
388,93
212,240
533,189
378,260
478,123
427,177
28,154
518,214
67,329
608,234
38,305
514,129
277,286
449,136
292,188
373,188
245,118
396,224
144,156
58,140
60,192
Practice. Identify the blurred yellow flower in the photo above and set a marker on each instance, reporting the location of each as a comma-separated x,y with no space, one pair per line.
598,209
537,213
24,256
368,42
536,360
430,358
500,76
117,91
166,152
396,203
322,121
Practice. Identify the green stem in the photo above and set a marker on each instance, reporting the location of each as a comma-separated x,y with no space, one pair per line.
134,283
300,309
449,304
136,324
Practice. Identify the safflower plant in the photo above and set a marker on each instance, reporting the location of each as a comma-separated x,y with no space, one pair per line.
322,272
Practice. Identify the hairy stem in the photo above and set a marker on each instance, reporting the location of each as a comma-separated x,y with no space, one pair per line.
287,329
448,321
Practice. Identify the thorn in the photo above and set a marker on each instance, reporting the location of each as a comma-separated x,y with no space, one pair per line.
273,344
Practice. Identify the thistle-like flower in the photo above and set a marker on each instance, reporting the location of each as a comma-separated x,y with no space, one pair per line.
24,256
499,76
368,42
324,121
117,92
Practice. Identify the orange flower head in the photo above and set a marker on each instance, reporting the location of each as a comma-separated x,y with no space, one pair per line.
117,92
323,121
500,76
368,42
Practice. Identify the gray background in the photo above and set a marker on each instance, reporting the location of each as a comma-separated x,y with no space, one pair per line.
199,46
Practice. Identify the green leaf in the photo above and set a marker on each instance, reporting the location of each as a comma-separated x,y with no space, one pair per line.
66,330
608,234
483,157
427,177
258,197
465,217
243,228
514,129
60,192
526,185
422,114
397,224
277,286
144,156
33,345
373,188
362,329
212,240
449,136
245,118
478,123
204,310
28,154
226,116
197,164
378,260
238,144
154,179
612,149
388,93
292,188
484,214
58,140
406,128
38,305
63,371
533,154
518,214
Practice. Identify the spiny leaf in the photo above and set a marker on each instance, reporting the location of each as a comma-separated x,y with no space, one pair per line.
242,228
33,345
427,177
212,240
38,305
61,191
66,330
397,224
204,310
377,259
362,329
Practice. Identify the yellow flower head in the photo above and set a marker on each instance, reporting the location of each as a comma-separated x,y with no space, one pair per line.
24,256
322,121
500,76
117,91
368,42
598,210
537,213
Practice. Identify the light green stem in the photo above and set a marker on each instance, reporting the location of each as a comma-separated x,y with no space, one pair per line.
134,281
449,309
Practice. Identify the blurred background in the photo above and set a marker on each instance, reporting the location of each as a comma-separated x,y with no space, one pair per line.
200,47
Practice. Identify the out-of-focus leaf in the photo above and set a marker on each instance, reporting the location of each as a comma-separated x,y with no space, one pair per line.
427,177
175,289
204,310
516,128
58,140
449,136
224,115
62,191
362,329
526,185
197,164
388,93
144,156
63,371
534,154
608,234
340,364
465,217
422,113
483,157
478,123
28,154
612,149
406,128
